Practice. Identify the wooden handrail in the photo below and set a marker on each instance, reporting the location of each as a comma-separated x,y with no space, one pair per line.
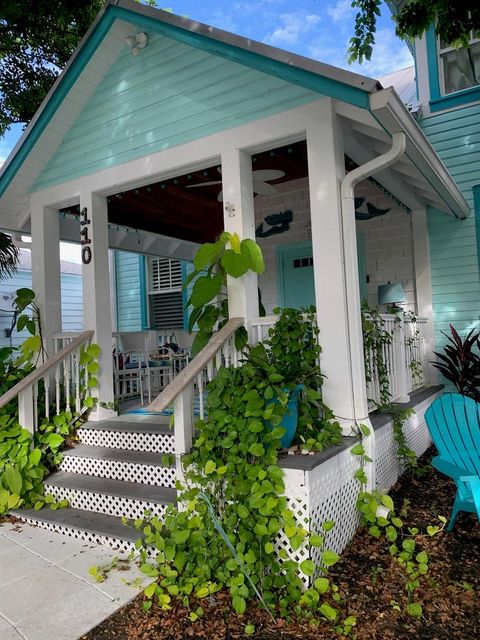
44,368
193,368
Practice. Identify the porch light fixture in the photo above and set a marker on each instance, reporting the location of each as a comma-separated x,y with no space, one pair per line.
137,42
391,294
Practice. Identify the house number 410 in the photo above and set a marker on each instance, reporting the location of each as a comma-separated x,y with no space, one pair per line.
85,240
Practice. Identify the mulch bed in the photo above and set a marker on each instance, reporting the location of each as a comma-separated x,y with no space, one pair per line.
369,581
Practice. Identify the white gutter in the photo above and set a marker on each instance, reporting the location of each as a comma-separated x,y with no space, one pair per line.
350,274
391,113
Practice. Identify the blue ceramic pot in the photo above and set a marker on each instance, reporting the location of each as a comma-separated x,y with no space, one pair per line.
290,419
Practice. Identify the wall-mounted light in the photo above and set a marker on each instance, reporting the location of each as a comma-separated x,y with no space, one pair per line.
137,42
391,294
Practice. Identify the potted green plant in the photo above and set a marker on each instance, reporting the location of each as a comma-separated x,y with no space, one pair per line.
289,359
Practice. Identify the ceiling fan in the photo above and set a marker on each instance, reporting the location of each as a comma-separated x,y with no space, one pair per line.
260,182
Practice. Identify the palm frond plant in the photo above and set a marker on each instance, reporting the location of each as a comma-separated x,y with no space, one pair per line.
8,256
460,362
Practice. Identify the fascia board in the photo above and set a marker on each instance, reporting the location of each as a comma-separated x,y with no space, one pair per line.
388,109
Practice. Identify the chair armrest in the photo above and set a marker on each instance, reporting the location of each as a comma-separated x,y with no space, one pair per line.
449,469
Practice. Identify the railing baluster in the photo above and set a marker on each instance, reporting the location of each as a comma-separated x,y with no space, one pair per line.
200,395
46,386
76,359
57,388
35,406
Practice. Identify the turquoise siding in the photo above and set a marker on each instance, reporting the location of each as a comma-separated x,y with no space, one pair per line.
171,93
129,299
72,304
453,243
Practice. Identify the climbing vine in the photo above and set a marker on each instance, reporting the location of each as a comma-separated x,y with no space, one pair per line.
233,505
375,340
378,515
26,459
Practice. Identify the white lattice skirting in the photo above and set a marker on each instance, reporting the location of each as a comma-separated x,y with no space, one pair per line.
156,442
329,491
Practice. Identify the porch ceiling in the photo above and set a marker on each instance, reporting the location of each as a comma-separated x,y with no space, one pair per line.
173,208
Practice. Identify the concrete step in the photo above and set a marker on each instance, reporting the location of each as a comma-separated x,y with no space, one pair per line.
111,497
119,464
97,528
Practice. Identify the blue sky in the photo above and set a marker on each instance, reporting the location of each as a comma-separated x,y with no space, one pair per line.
317,29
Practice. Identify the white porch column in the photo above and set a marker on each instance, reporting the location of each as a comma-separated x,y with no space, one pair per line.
423,280
96,295
46,270
335,266
239,217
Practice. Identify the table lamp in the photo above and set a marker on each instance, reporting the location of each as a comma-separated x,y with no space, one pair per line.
391,294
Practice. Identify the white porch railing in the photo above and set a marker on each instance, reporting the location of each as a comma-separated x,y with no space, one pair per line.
406,358
187,390
64,372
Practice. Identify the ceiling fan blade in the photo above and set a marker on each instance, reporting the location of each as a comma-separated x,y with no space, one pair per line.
203,184
268,174
263,188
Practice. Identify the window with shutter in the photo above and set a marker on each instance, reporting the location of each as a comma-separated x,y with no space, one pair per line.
165,293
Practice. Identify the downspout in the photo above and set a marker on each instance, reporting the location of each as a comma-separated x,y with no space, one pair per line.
347,191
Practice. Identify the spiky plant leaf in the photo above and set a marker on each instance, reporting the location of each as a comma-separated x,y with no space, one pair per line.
8,256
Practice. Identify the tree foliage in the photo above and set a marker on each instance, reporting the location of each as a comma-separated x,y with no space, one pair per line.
453,22
37,37
8,256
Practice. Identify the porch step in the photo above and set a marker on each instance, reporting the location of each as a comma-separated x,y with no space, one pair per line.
138,433
112,497
119,464
93,527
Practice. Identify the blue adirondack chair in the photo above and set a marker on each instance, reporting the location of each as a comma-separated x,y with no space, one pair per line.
454,424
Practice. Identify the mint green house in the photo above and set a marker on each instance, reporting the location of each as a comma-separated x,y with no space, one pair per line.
447,83
159,134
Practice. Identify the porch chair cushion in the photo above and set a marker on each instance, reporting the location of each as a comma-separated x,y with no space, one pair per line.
454,424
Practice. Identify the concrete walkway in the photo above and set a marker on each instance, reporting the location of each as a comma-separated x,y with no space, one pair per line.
46,592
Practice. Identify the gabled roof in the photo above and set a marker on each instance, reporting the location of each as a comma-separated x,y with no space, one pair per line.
104,42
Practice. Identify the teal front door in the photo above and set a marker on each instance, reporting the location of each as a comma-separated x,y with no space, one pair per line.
296,284
295,266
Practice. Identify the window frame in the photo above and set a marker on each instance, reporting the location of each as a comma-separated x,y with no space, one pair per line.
441,70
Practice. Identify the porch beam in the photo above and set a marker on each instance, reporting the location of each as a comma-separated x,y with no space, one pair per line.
96,295
46,270
239,217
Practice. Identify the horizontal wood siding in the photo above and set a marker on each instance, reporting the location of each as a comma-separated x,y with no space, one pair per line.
169,94
72,304
453,243
129,304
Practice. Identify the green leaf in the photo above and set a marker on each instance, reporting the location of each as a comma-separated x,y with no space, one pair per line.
150,589
236,264
205,289
307,567
387,502
13,479
328,611
206,255
210,467
316,540
358,450
239,604
328,525
414,609
249,629
329,558
322,585
256,449
181,536
257,263
241,338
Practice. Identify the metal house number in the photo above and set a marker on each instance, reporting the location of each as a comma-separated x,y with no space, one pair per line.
85,240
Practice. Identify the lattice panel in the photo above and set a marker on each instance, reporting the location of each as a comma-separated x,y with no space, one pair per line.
418,436
158,442
387,466
102,503
117,470
333,493
80,534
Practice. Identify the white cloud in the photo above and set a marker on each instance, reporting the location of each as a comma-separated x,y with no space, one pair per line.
389,54
341,11
292,26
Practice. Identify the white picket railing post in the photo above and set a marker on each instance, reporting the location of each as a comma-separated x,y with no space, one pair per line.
400,363
26,413
183,425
